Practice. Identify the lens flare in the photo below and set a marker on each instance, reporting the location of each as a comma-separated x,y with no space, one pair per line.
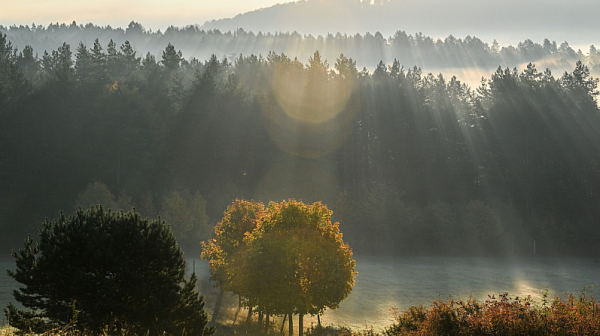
309,117
309,99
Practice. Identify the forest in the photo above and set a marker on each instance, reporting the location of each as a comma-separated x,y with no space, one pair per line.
410,163
436,54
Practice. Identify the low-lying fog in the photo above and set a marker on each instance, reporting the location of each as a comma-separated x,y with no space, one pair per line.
386,282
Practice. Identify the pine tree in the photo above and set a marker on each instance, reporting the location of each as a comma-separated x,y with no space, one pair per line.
105,273
171,58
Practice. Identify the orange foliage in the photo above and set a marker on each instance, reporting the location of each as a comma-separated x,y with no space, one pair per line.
288,258
225,251
297,261
500,316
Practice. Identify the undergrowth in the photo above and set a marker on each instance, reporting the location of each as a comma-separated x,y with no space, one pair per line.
575,315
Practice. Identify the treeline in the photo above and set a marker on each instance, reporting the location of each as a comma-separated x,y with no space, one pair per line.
410,163
367,50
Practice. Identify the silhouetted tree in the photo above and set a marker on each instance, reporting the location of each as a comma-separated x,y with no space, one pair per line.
103,272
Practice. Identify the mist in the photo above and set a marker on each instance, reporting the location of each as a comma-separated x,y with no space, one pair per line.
456,146
507,21
469,58
411,162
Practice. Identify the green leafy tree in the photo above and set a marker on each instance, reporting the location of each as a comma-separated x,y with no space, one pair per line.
105,273
98,193
187,216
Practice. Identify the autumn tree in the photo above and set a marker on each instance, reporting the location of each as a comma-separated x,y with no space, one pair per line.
297,262
225,252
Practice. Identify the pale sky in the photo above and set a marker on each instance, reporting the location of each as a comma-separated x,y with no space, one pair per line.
152,14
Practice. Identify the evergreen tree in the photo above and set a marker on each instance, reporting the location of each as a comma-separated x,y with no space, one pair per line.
29,64
13,83
130,61
171,58
102,272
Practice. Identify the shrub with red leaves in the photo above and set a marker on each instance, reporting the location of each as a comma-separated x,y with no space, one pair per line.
500,316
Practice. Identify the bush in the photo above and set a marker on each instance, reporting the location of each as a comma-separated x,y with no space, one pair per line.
500,316
103,272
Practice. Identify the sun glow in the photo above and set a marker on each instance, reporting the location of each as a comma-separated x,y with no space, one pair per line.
310,117
309,101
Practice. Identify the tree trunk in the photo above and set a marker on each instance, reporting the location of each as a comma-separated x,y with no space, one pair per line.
267,322
300,324
319,320
291,325
215,314
237,311
249,314
260,319
283,324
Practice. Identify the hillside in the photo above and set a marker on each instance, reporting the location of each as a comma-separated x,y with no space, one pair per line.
435,18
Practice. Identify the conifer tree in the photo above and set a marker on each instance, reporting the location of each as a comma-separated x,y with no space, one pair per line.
171,58
105,273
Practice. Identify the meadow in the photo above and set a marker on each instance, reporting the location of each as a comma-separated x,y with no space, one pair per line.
387,282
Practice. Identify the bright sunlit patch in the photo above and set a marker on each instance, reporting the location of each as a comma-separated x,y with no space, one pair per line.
309,117
309,100
470,75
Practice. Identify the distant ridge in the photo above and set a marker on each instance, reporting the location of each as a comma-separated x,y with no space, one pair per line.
514,19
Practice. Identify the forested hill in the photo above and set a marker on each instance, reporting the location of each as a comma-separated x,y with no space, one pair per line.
410,163
449,54
490,19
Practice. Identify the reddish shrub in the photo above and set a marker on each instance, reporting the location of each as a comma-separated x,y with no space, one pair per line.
500,316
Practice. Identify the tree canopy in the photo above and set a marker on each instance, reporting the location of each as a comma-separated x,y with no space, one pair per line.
396,139
297,260
294,260
99,271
